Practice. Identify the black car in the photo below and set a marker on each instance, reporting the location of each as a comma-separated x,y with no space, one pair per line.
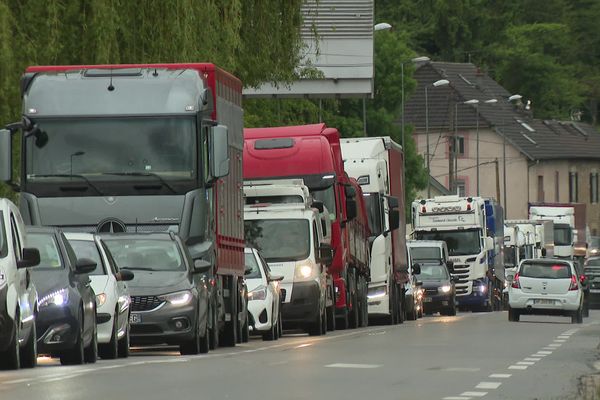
66,321
439,291
591,271
169,294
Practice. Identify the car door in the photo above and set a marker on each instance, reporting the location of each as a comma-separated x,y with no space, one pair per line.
120,287
83,285
272,286
200,281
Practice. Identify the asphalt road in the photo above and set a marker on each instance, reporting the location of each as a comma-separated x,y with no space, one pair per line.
471,356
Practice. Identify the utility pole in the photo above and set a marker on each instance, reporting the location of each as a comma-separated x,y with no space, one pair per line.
497,180
504,171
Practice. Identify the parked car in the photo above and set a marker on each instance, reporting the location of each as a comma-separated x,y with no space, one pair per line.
546,287
112,295
591,270
264,300
169,294
18,296
438,285
66,323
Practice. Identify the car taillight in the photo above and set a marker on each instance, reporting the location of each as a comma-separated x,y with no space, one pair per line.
582,278
574,285
515,283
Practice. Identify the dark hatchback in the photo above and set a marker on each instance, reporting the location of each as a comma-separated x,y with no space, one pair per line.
591,272
439,291
66,321
169,294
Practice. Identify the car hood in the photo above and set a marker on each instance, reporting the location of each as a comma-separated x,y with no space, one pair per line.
47,281
158,282
435,283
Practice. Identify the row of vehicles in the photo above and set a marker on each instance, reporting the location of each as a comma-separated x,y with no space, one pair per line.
146,171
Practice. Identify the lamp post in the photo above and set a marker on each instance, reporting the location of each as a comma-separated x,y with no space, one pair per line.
382,26
441,82
76,154
510,100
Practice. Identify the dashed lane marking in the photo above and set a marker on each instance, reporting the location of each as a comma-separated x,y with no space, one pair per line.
535,359
555,345
456,398
500,376
518,367
474,394
357,366
488,385
525,363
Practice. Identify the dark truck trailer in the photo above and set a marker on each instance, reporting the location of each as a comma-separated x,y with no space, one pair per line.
139,148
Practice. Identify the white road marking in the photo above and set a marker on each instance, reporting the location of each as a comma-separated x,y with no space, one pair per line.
488,385
456,398
545,352
532,359
559,340
548,348
525,363
474,394
303,345
358,366
500,376
563,337
555,345
539,355
518,367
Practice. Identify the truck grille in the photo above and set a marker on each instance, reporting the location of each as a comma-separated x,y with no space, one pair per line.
145,303
463,286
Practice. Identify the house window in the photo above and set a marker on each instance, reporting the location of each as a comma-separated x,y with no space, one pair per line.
461,188
459,142
593,187
573,187
540,188
556,187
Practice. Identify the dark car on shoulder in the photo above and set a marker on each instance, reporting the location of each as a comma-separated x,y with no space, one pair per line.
591,271
169,293
438,286
66,321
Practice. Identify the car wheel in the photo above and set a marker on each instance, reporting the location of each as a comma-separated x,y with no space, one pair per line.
11,357
192,346
271,334
91,352
214,330
75,356
205,340
110,350
124,342
577,317
280,324
28,354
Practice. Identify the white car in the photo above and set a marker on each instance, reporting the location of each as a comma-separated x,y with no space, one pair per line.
545,286
112,295
264,302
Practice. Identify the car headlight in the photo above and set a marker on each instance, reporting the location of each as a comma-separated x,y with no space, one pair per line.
124,302
305,271
58,298
445,288
178,298
260,293
100,299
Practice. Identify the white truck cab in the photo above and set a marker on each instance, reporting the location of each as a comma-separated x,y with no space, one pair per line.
18,297
291,240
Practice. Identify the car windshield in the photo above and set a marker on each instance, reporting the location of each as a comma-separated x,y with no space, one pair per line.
146,254
88,249
562,235
279,239
49,254
545,270
433,272
593,262
112,149
460,243
252,263
425,253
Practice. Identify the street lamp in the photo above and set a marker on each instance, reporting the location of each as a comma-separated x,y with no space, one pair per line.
510,99
438,83
76,154
382,26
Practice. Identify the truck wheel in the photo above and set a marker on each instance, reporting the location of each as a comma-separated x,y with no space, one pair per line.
353,312
513,315
214,330
229,336
11,357
316,328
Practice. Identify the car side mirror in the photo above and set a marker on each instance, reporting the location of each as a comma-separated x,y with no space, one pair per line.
450,265
201,266
248,270
219,151
6,156
31,258
125,275
325,254
416,268
318,205
276,278
85,266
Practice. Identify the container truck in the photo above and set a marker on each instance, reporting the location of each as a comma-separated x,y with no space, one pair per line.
313,153
494,219
139,148
461,223
376,163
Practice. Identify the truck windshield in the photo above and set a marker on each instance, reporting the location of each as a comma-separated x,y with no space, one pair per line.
425,253
279,239
112,149
562,235
460,243
373,204
327,196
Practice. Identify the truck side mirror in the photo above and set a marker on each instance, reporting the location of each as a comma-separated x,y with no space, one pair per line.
489,243
416,268
351,210
450,265
394,219
325,254
219,151
5,155
318,205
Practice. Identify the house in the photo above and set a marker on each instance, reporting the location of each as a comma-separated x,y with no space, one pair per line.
521,159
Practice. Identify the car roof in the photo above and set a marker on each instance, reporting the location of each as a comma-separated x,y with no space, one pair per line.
140,235
80,236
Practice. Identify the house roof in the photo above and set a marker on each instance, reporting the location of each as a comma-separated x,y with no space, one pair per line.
536,139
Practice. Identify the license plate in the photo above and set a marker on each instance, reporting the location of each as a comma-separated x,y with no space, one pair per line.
427,300
543,301
135,319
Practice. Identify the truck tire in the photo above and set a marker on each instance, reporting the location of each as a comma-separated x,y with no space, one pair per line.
214,329
331,311
229,335
316,328
353,309
513,315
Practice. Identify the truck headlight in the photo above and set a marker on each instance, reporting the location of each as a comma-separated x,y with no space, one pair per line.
58,298
305,271
445,288
260,293
178,298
